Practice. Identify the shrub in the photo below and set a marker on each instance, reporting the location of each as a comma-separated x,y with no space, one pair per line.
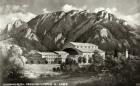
54,69
122,70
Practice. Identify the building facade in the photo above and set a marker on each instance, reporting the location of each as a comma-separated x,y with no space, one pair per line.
82,51
50,57
62,55
35,57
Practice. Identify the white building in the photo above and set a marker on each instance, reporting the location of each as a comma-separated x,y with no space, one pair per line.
78,50
55,57
62,54
49,56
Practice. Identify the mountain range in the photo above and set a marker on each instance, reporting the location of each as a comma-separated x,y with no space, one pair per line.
51,31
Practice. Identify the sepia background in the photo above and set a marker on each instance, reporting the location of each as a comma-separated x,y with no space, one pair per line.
24,25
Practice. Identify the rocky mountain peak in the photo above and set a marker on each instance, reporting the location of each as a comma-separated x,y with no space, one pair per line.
103,14
15,26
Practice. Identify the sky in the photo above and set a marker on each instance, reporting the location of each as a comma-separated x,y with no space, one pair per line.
27,9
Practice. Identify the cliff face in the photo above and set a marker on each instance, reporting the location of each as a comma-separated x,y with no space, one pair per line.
49,32
19,33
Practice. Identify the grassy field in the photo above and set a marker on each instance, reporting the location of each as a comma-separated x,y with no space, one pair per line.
70,80
40,67
35,70
42,73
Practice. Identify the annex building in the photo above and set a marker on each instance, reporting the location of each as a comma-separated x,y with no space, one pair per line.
55,57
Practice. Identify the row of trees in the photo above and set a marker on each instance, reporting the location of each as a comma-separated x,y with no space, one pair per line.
122,70
72,65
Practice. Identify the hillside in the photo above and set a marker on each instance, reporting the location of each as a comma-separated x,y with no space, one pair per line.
50,31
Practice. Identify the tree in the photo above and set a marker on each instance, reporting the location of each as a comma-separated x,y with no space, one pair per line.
69,65
97,58
79,59
97,63
13,67
121,69
46,62
109,62
90,60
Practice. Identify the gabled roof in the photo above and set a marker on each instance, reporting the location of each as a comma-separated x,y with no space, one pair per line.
82,47
60,52
101,51
90,50
86,50
48,53
34,52
83,44
87,45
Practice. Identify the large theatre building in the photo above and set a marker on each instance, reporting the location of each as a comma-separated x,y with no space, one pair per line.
80,50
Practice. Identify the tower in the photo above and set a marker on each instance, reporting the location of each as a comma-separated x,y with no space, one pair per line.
126,53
